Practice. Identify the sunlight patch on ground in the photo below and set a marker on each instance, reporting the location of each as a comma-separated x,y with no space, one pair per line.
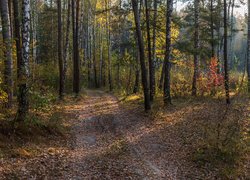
133,98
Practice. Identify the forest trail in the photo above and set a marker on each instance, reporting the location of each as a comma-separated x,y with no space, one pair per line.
116,143
107,144
110,141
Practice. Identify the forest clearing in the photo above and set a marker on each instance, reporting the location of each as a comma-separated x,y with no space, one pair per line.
124,89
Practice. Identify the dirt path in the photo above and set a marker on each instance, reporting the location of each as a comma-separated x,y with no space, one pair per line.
110,142
106,144
113,143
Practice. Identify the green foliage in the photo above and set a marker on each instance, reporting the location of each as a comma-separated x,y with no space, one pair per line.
222,143
181,82
46,76
3,96
41,102
238,81
3,100
47,31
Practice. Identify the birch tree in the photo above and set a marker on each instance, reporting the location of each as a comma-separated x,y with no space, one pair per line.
8,82
23,97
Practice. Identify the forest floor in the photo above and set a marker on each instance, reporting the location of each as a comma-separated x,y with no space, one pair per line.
114,139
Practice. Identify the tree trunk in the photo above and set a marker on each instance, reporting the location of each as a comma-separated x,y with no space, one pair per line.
219,38
94,55
8,82
129,80
60,58
154,39
137,74
10,17
144,72
196,45
167,95
17,35
66,47
230,45
101,59
109,46
151,63
162,77
226,75
23,97
248,48
212,27
76,64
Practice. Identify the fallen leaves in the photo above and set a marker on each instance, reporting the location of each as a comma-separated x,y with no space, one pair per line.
118,141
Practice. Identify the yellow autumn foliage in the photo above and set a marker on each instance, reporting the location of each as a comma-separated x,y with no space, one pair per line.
3,95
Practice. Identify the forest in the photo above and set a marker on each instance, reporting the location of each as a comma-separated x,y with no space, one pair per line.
124,89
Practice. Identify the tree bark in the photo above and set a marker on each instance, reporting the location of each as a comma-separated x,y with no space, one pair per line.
144,72
137,74
212,28
8,82
94,55
76,64
109,46
23,97
226,75
248,48
101,58
161,81
196,46
60,58
66,47
151,63
154,38
10,17
17,35
167,94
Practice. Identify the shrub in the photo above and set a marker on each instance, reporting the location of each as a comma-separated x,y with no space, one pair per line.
210,81
222,142
3,98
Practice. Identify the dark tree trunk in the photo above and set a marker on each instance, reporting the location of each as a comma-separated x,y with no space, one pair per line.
154,38
196,46
101,59
212,28
66,47
137,74
151,63
129,80
144,72
8,82
60,58
162,77
94,57
76,64
226,75
17,35
248,48
167,94
109,46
